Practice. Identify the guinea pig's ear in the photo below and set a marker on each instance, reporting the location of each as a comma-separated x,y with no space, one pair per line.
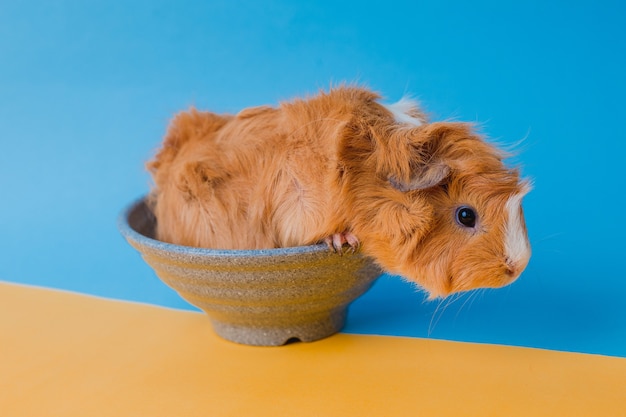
424,176
409,159
423,157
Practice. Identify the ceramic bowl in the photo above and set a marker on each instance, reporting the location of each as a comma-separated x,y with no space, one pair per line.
256,297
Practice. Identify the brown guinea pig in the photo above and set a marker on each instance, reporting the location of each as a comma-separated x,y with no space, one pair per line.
432,202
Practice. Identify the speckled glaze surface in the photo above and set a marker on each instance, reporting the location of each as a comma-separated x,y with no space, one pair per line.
256,297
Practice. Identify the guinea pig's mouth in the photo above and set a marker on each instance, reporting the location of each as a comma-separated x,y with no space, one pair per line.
468,276
459,285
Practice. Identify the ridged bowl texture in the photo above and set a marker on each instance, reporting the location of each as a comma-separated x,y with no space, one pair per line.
256,297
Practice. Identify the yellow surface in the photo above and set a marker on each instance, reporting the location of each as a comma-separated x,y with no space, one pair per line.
64,354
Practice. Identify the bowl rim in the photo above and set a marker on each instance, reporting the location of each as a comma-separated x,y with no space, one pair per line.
131,234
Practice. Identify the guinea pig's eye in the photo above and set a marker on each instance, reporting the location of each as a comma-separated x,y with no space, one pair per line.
466,216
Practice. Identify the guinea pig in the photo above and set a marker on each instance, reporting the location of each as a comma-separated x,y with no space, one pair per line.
432,202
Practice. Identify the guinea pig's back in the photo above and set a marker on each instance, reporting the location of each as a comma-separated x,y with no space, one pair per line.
214,185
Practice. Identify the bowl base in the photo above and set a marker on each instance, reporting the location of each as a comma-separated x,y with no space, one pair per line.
278,336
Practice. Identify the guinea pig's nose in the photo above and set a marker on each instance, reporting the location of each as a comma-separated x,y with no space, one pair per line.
510,270
514,269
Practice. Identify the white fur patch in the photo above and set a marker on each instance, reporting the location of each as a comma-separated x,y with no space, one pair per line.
516,243
402,110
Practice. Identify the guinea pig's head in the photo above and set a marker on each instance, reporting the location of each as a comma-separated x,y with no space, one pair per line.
477,236
436,204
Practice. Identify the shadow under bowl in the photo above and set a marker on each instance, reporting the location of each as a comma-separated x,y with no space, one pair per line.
265,297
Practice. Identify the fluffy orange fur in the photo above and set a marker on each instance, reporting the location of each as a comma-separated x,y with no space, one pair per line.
339,162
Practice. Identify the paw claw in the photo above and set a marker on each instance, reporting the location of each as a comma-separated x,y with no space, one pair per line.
336,242
353,241
329,242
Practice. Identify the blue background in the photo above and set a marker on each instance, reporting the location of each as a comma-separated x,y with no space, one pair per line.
87,89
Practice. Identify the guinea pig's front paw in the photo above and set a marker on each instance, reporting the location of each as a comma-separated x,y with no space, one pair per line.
336,241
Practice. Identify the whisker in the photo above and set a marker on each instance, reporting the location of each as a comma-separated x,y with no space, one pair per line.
449,301
479,294
470,295
432,317
552,236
